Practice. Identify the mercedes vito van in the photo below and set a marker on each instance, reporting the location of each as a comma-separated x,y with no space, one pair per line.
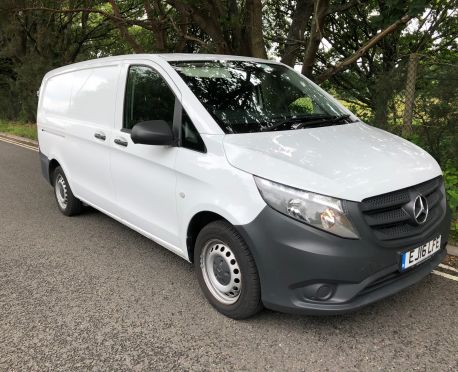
278,194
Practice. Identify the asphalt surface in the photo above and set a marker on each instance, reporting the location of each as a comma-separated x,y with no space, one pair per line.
89,293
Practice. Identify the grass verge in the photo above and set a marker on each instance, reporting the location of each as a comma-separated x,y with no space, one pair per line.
19,129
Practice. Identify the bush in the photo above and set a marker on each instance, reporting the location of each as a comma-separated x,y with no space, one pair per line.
451,187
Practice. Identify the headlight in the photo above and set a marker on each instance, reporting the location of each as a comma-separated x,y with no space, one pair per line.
317,210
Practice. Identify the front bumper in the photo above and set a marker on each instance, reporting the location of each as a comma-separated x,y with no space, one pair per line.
305,270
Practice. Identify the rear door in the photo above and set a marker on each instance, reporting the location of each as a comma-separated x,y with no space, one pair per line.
143,175
90,123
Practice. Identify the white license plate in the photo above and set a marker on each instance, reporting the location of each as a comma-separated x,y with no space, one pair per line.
420,254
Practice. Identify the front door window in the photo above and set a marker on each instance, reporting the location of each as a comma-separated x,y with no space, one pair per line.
148,97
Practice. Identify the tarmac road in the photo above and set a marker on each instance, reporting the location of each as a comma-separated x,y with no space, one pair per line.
88,293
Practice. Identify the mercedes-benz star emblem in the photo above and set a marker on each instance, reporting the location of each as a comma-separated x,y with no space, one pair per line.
420,209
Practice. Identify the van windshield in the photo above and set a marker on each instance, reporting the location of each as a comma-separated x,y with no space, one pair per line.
247,97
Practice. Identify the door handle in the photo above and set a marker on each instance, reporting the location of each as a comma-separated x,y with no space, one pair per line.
100,136
120,142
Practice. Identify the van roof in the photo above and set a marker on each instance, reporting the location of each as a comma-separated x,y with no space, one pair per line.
169,57
210,57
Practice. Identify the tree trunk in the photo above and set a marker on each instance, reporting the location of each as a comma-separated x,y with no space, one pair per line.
208,22
321,9
258,48
381,109
122,27
235,24
410,94
252,43
300,20
155,18
180,46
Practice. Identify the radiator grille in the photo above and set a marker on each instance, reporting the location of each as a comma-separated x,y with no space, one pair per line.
388,215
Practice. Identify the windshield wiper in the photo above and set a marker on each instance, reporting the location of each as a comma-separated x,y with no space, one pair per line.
298,119
328,120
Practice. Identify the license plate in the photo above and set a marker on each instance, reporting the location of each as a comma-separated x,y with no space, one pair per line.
420,254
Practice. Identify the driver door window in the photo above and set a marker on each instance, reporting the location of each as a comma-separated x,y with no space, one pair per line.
148,97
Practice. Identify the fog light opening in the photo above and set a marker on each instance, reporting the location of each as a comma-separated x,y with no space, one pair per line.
319,291
324,292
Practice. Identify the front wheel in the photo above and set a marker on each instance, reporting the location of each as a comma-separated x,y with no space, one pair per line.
227,273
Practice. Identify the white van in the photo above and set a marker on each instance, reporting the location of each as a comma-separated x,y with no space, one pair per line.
280,196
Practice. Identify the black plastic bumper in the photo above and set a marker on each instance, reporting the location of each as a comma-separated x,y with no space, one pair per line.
305,270
44,162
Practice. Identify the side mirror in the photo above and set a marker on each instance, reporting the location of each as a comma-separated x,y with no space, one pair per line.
153,132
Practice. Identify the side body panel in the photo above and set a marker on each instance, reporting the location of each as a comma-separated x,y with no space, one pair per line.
136,187
69,123
160,189
207,182
52,118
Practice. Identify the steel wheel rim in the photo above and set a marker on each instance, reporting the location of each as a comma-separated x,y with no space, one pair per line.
61,192
221,272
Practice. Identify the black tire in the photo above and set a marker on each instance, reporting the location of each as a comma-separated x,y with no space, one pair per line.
73,205
248,302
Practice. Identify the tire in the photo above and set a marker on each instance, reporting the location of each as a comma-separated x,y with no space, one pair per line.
226,271
66,201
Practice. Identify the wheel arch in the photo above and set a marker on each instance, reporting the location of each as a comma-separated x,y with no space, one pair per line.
53,164
195,226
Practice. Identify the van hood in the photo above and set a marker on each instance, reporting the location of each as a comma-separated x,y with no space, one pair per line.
351,161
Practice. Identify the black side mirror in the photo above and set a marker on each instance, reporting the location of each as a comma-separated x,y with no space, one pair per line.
152,132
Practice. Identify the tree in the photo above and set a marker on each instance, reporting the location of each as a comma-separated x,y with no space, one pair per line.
371,78
34,43
353,46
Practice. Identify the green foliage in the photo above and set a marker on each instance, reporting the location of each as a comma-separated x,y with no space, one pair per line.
32,43
436,114
451,182
451,187
303,105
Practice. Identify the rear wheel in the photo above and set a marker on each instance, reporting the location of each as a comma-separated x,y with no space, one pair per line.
66,201
227,272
